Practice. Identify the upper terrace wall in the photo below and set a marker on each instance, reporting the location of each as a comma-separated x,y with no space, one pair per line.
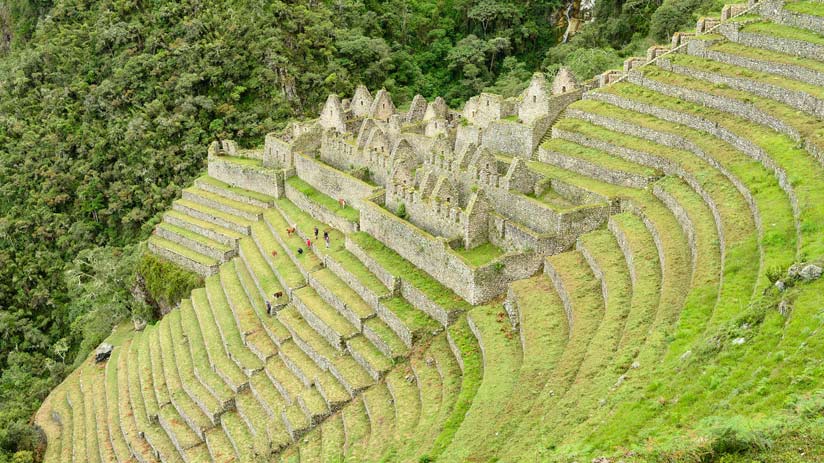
332,182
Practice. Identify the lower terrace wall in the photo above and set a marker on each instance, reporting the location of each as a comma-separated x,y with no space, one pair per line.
261,180
332,182
474,284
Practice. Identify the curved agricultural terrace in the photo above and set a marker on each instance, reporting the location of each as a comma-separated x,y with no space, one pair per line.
580,271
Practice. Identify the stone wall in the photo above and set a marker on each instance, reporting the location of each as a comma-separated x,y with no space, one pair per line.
319,212
790,47
332,182
276,152
261,180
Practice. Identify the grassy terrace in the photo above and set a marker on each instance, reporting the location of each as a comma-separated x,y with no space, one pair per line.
235,190
238,206
785,32
407,402
200,357
729,70
349,213
814,8
805,174
759,54
400,267
778,240
597,157
334,438
470,380
233,342
480,255
241,160
381,412
193,236
502,362
182,250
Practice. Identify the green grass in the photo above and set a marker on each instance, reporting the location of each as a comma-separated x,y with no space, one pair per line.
785,32
228,202
778,238
349,213
327,314
182,251
597,157
501,363
241,160
193,236
766,55
805,174
236,190
480,255
814,8
473,369
227,327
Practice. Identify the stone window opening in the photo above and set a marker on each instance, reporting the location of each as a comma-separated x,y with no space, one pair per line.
563,88
534,98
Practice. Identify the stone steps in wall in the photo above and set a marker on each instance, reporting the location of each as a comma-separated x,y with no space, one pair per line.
222,203
595,163
242,195
183,256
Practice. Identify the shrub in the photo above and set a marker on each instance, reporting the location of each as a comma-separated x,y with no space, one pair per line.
401,212
166,282
729,435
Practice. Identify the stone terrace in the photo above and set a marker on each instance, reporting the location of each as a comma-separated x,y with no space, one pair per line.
497,279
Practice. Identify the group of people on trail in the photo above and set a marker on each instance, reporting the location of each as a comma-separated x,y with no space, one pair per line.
289,232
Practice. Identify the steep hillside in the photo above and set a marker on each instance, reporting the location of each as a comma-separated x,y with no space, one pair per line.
624,269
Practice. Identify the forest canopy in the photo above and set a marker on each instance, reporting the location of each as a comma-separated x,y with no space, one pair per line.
106,109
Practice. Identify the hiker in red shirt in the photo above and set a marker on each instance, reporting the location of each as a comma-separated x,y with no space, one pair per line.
308,243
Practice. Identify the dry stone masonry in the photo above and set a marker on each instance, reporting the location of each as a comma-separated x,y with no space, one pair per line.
576,214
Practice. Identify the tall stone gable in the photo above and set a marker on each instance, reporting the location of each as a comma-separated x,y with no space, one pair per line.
534,100
332,115
417,109
564,82
382,107
361,103
436,110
